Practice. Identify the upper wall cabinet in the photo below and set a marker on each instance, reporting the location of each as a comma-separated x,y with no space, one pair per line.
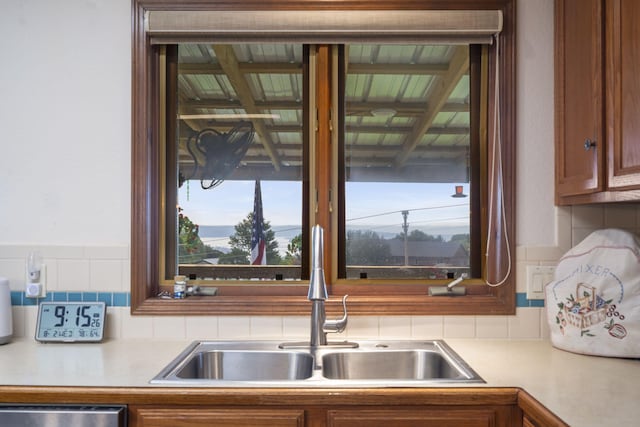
597,109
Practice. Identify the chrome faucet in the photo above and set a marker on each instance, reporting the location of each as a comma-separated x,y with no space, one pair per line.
318,294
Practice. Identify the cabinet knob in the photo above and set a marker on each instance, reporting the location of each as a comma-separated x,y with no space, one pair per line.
588,144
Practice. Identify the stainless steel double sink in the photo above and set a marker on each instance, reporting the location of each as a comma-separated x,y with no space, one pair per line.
380,363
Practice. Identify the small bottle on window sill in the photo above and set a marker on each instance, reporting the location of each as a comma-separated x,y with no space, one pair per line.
179,287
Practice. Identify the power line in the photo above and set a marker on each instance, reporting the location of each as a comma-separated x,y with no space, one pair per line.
408,210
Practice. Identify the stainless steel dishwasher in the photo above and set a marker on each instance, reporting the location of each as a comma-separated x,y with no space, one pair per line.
63,415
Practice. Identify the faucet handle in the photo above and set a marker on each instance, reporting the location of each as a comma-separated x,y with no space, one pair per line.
337,325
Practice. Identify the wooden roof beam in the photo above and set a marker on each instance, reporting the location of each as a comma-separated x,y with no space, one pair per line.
229,63
458,67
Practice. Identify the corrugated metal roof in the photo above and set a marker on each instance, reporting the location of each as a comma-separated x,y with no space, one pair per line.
407,105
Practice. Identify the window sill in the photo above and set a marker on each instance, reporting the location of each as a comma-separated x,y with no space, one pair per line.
416,304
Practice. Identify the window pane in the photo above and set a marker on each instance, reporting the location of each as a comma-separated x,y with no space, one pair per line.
407,155
240,123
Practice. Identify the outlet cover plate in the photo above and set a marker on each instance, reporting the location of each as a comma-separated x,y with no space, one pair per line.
538,276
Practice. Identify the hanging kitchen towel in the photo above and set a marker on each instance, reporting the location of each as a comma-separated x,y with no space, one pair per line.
593,303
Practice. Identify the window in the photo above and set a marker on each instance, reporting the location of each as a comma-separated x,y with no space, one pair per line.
328,125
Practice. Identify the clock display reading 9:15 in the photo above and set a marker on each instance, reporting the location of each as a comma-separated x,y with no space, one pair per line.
71,321
82,318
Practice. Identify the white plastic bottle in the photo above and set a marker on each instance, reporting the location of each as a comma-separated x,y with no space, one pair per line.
6,314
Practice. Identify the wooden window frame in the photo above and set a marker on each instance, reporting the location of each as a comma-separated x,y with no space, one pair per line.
388,299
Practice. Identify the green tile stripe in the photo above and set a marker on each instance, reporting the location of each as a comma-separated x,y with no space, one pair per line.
111,299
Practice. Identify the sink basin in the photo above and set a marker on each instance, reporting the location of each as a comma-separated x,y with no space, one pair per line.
390,365
210,362
381,363
233,365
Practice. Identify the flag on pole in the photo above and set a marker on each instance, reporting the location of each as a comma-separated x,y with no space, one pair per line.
258,243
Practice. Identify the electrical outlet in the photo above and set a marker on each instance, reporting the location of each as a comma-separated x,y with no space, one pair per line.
36,277
537,277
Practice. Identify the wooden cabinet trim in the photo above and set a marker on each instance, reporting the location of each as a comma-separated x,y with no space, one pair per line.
536,413
260,396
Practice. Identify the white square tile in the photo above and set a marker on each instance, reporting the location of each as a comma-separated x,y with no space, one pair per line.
265,327
297,327
363,327
51,274
105,275
18,321
125,282
30,320
492,327
234,327
564,228
521,275
113,327
459,327
169,327
136,326
579,234
73,275
544,254
427,327
13,251
62,252
395,327
201,327
620,216
14,269
525,324
106,252
588,216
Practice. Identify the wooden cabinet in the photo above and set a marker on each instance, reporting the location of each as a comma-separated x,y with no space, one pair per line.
204,417
417,417
534,414
597,108
282,407
397,416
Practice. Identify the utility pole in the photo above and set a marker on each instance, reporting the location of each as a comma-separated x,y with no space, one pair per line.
405,227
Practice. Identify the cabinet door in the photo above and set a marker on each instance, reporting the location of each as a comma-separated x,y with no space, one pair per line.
579,97
623,94
408,417
192,417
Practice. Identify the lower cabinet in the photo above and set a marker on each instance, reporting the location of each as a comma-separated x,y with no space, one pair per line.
291,407
196,417
437,417
445,416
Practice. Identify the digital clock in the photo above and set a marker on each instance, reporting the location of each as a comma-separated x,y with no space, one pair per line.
70,321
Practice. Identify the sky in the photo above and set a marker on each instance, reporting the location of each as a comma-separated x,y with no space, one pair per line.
372,205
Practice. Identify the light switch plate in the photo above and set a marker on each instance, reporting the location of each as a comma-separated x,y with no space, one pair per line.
538,276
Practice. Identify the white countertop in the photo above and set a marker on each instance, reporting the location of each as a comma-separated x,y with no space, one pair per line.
582,390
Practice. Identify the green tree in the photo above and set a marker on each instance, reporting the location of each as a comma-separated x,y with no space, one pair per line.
235,256
464,239
240,242
191,249
419,236
294,251
366,247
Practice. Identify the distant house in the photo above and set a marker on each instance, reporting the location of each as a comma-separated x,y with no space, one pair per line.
430,253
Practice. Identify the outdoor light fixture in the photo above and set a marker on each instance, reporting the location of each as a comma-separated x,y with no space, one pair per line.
459,192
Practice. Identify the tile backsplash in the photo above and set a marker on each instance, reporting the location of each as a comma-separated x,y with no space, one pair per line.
102,274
